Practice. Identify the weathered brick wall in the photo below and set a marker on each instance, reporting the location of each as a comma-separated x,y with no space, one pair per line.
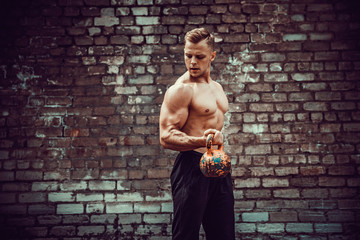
81,86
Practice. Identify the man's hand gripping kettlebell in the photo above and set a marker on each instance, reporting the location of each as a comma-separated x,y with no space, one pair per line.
214,162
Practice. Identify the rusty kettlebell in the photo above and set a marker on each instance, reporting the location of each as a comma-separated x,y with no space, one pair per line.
214,162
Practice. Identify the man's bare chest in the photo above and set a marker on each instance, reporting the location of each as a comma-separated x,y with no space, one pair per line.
208,102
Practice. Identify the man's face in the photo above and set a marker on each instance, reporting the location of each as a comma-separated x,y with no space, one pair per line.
198,58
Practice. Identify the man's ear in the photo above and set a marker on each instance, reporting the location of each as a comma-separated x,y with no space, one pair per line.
213,55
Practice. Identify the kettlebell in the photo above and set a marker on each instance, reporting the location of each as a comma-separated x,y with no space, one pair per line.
214,162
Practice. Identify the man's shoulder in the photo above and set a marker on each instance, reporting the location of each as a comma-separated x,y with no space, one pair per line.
180,90
217,85
181,86
183,79
178,96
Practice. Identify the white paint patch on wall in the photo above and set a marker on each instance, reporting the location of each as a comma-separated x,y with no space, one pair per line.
227,118
4,70
235,68
257,129
25,73
5,113
39,135
113,69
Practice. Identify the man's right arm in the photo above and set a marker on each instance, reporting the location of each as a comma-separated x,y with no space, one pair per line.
173,116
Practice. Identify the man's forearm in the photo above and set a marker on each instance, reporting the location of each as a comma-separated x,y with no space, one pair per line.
179,141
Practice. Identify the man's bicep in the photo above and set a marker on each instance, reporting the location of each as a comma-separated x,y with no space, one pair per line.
173,118
175,109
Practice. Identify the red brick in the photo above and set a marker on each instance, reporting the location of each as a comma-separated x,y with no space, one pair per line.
144,184
258,194
343,106
247,183
274,97
304,182
238,171
289,46
343,192
286,107
312,216
286,193
104,111
283,171
322,204
296,138
258,149
313,170
316,46
273,182
136,174
315,193
287,87
260,18
261,171
300,56
158,173
331,181
52,11
341,170
244,205
286,216
300,97
341,216
315,106
258,107
341,148
71,3
349,204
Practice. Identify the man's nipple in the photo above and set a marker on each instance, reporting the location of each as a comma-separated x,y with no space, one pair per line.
207,110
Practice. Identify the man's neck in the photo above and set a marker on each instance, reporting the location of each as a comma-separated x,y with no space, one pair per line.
201,79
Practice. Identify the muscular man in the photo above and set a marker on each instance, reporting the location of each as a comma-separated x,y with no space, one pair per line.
193,108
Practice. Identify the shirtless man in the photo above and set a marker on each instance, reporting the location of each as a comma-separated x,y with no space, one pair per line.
193,108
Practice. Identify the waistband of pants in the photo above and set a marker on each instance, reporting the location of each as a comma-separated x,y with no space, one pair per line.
193,153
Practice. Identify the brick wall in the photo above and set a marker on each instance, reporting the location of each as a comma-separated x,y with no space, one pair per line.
81,86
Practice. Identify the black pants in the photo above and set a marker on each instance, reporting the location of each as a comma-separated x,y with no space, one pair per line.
198,199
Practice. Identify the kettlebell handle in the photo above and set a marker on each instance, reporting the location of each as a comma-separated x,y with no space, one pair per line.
209,140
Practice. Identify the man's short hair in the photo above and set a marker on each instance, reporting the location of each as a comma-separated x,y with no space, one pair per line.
198,34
